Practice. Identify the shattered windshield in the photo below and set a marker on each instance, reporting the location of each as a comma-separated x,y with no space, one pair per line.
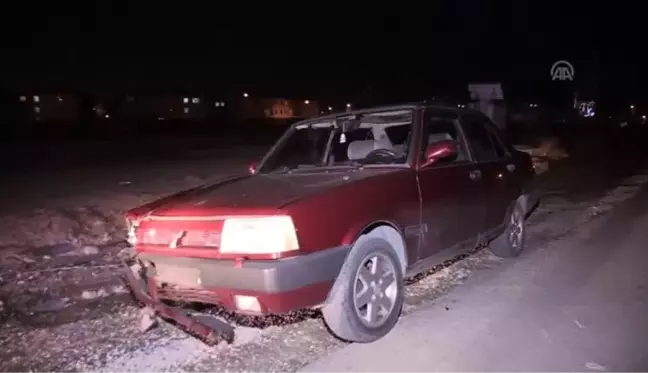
353,140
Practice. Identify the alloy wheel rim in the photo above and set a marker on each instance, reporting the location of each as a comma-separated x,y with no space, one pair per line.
516,230
375,290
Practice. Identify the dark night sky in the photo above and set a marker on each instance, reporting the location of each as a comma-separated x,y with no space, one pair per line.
312,50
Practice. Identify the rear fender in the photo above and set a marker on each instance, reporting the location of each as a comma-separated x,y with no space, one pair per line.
522,200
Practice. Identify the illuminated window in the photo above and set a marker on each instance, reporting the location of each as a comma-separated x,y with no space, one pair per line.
36,99
185,100
186,110
195,100
37,109
23,98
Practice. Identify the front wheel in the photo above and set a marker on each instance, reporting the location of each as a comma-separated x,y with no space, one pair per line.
510,243
367,297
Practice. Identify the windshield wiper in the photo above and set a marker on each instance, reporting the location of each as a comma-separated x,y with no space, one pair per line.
281,170
289,169
355,165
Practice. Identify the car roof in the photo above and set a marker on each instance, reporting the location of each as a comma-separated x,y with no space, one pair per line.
412,106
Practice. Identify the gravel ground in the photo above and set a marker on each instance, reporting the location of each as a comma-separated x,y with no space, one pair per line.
63,308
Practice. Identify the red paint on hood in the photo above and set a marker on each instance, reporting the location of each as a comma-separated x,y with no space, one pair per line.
255,194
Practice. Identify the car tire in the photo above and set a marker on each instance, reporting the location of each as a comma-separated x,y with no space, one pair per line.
511,242
343,312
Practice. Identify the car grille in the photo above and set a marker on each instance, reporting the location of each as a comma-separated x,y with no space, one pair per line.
181,294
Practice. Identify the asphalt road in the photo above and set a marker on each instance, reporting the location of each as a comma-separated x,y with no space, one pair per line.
578,304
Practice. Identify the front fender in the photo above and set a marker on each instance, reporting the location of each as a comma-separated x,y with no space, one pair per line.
386,229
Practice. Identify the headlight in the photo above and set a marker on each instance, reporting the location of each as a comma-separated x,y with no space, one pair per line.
265,235
131,227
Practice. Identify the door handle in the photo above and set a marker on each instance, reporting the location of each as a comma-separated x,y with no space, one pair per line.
510,167
475,175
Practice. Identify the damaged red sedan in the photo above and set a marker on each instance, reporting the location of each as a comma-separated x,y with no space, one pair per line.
336,215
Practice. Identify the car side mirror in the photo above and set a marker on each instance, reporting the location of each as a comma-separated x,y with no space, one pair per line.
439,150
252,168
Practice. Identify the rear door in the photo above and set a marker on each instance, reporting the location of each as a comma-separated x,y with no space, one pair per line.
452,201
496,164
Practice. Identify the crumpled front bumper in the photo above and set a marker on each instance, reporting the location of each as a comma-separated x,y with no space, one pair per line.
210,329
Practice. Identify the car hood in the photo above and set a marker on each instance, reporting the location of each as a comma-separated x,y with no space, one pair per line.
264,192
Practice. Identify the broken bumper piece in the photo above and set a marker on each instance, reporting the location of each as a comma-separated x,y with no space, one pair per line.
210,329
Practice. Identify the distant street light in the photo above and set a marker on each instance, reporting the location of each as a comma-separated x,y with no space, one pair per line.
348,105
330,108
631,106
307,102
245,94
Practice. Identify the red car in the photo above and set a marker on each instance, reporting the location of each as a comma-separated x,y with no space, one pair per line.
337,214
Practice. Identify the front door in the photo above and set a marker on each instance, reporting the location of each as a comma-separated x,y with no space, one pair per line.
452,202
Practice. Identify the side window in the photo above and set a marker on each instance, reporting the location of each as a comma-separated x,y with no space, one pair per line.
497,142
479,139
437,128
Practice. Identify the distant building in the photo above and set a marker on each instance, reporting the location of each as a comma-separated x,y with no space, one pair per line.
110,109
278,109
48,107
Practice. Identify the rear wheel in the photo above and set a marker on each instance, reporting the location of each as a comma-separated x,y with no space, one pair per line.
511,243
367,298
